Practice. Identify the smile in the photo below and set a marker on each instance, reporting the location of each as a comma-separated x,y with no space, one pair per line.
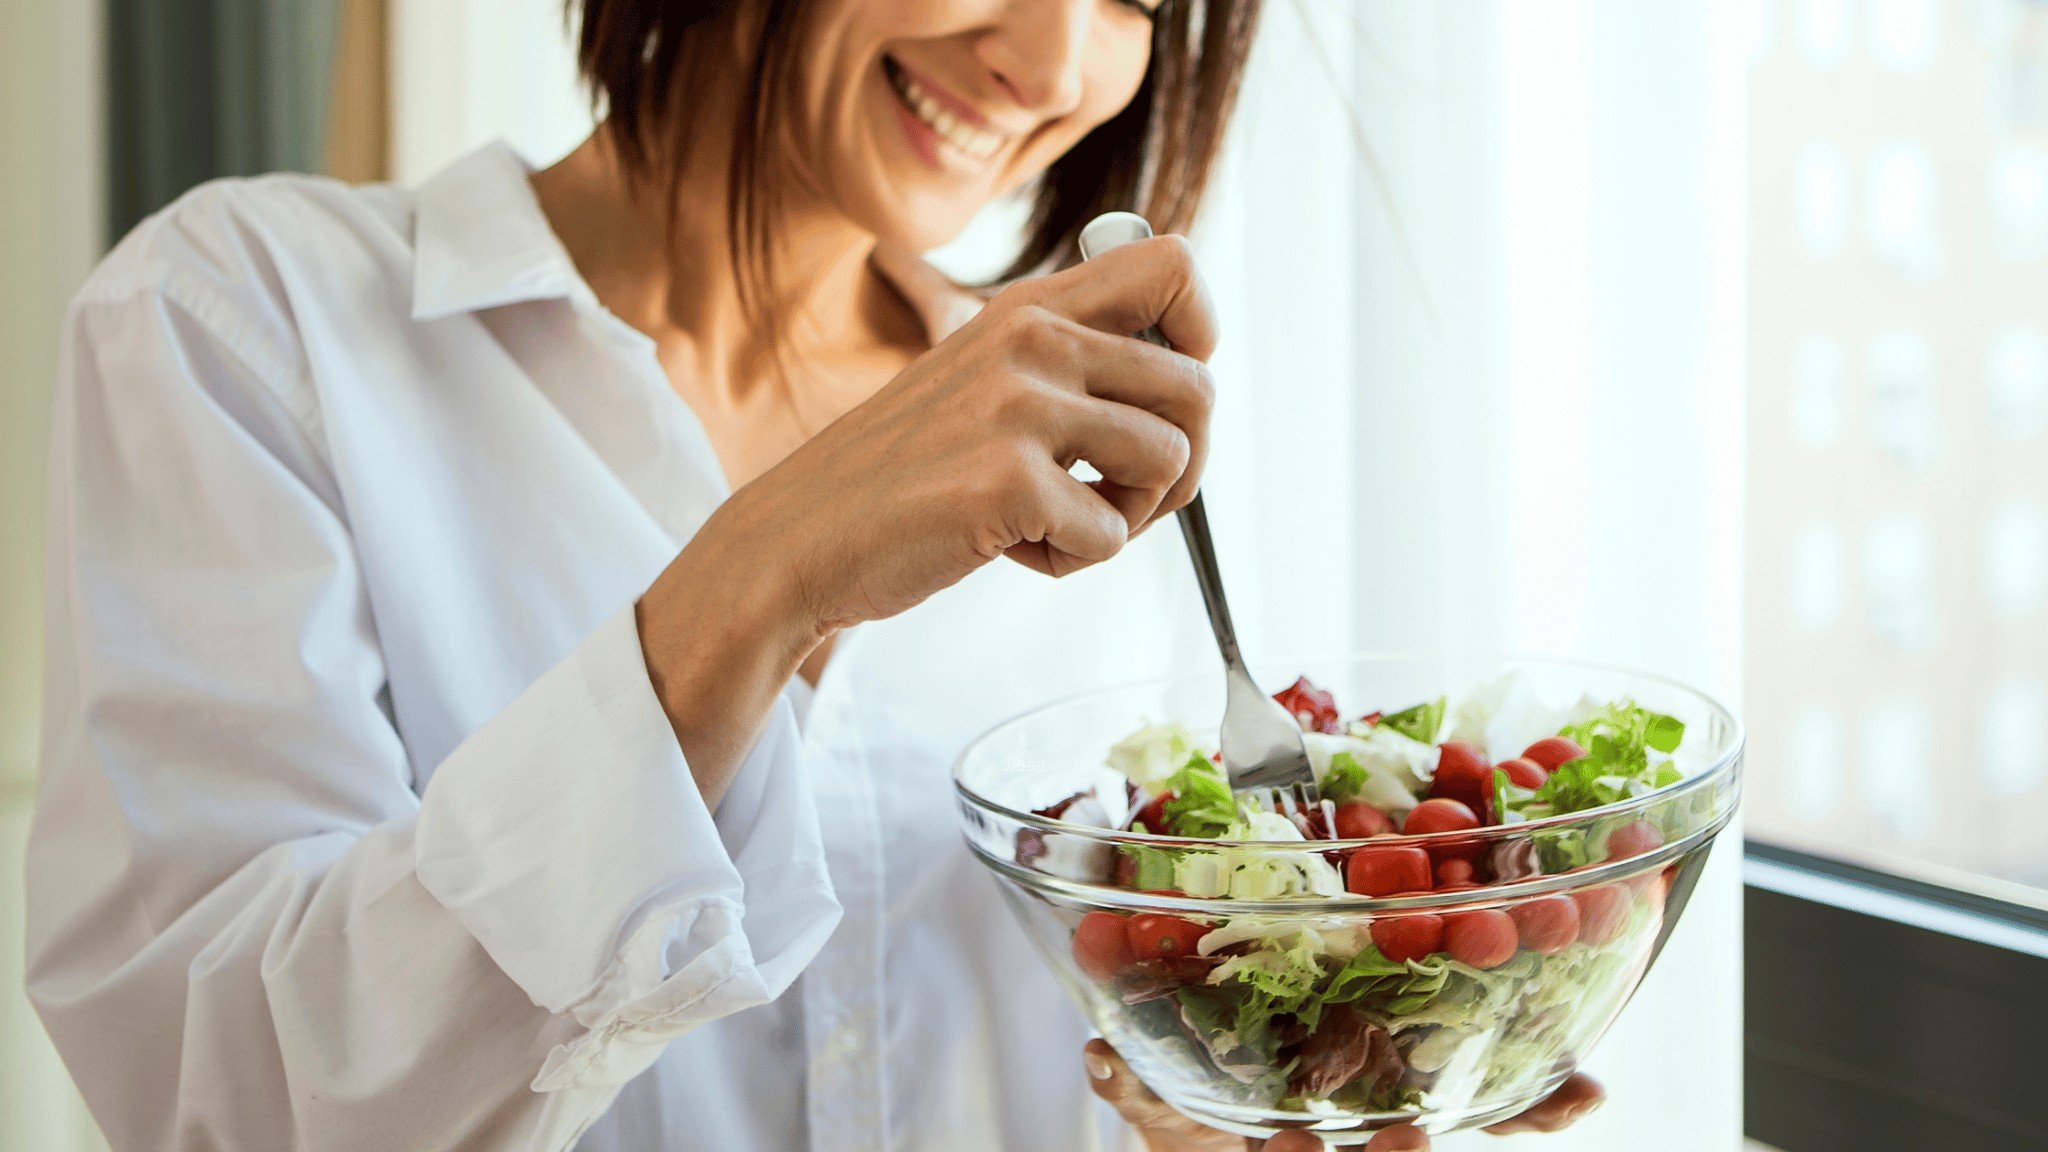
950,129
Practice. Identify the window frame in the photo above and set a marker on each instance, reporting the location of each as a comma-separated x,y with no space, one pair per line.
1886,1012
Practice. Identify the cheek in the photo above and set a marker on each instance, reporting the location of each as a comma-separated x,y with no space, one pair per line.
1115,70
1114,73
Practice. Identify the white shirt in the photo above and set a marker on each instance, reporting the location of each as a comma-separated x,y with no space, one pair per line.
360,826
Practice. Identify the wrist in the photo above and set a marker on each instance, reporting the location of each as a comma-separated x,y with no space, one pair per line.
722,629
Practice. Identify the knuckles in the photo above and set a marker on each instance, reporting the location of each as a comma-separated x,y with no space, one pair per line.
1178,254
1036,334
1202,383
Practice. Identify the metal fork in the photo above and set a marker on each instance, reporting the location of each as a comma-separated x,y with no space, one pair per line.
1263,751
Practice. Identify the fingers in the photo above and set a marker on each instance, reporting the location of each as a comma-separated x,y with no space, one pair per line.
1062,525
1152,283
1292,1142
1405,1138
1173,387
1141,457
1113,1080
1574,1099
1053,353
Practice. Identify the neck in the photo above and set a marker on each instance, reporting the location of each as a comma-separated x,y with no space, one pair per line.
668,270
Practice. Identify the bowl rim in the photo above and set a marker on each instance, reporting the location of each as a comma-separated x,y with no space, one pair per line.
1723,766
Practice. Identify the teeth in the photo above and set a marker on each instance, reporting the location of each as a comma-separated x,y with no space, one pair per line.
950,128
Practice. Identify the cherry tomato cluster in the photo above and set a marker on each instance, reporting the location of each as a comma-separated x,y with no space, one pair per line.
1108,945
1489,937
1461,800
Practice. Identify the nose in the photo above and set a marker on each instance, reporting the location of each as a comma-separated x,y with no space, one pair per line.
1036,52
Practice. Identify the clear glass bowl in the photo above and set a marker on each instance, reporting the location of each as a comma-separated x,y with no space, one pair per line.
1492,1042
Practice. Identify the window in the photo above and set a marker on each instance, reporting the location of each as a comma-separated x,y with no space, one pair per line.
1896,667
1896,634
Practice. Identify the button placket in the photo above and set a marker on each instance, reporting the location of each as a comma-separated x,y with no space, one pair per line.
843,990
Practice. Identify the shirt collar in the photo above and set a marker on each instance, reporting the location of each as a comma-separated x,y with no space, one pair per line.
481,241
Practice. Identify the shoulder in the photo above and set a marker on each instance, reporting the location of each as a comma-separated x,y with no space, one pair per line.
209,298
236,255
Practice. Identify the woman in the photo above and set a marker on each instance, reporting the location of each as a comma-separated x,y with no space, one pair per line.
459,734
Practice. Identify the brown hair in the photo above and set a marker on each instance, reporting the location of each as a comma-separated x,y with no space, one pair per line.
1154,157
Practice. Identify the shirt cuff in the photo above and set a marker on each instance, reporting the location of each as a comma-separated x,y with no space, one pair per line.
569,837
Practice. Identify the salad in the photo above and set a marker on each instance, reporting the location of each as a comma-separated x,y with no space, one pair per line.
1325,1012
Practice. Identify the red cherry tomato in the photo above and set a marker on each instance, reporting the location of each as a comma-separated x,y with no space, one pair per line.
1462,774
1102,946
1387,870
1357,820
1548,924
1602,913
1372,717
1313,708
1159,937
1442,814
1552,751
1404,938
1455,872
1484,939
1633,839
1153,814
1524,772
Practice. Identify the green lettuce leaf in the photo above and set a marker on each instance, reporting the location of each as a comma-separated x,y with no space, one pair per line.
1236,1009
1345,779
1202,805
1420,723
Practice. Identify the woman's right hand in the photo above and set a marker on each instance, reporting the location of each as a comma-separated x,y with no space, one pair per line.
961,459
964,456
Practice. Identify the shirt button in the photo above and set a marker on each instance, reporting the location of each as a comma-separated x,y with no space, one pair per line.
843,1043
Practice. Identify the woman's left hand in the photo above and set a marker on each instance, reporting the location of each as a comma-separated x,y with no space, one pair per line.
1166,1130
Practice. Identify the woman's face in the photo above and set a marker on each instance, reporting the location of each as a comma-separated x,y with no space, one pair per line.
914,114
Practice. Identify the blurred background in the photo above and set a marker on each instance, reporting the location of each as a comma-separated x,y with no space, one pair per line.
1709,336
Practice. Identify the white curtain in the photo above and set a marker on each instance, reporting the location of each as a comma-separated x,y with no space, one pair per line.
1482,381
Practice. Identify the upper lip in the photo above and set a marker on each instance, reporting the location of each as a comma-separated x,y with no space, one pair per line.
952,102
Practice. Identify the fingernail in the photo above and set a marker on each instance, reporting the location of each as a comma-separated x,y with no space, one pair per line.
1098,1067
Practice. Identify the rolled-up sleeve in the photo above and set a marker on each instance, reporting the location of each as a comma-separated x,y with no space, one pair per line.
249,928
727,909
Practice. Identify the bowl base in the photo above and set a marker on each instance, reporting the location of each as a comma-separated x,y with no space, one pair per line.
1351,1130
